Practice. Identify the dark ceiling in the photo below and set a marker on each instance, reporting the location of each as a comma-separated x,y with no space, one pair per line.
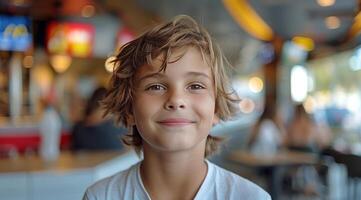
305,17
287,18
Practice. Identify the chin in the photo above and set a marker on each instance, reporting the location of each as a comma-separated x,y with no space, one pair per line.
174,147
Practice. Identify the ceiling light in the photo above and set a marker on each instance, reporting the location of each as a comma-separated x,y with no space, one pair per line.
110,64
299,84
249,19
358,16
332,22
325,3
247,105
304,42
60,63
356,26
255,84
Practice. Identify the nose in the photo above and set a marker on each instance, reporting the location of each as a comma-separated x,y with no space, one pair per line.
175,101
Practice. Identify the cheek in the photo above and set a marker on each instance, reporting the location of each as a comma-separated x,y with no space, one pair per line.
205,106
207,101
145,107
138,109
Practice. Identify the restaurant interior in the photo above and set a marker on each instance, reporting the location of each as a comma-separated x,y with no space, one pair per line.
291,60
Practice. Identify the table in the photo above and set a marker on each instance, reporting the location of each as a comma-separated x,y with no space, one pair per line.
67,161
31,178
281,158
275,163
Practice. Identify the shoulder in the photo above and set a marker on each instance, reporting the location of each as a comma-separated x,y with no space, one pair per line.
111,126
113,186
234,185
78,128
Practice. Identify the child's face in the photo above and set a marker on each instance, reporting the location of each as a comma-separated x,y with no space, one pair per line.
175,110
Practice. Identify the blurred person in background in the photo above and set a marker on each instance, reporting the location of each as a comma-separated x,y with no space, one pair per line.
94,132
268,134
50,127
306,135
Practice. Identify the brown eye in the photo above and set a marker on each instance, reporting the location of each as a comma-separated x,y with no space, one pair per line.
196,87
156,87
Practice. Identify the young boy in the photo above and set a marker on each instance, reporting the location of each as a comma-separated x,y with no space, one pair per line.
169,88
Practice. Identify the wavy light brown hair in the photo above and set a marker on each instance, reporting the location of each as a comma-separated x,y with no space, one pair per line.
161,40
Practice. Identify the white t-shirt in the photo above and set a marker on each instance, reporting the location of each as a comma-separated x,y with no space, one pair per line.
218,184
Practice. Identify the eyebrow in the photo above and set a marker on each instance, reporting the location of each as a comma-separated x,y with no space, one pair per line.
161,75
152,75
198,74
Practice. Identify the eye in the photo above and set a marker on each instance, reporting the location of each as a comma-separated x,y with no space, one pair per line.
155,87
196,86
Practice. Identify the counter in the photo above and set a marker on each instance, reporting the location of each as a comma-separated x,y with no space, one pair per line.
31,178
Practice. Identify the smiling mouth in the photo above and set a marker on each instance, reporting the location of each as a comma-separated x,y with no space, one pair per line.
176,122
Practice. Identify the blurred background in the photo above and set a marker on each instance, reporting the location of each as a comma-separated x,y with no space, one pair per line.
296,66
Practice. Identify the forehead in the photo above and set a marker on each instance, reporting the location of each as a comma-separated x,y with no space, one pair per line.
187,58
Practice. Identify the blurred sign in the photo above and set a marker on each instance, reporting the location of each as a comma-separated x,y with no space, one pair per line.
15,33
75,39
124,36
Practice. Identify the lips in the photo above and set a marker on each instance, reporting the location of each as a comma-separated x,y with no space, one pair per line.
176,122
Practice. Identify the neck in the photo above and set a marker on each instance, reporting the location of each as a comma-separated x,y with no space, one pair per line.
170,176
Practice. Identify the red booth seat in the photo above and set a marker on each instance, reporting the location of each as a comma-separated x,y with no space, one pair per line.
30,140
